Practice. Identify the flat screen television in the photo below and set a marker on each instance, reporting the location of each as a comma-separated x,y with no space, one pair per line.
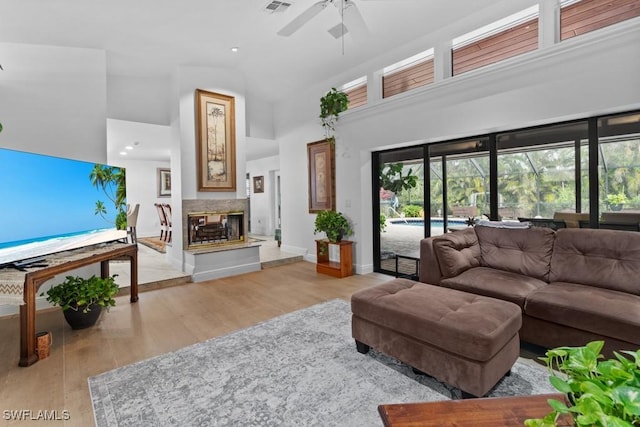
51,204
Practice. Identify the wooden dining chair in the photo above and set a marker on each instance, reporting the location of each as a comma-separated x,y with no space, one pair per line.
166,207
163,221
132,221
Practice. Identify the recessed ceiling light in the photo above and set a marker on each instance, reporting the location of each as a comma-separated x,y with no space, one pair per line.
123,153
128,147
235,49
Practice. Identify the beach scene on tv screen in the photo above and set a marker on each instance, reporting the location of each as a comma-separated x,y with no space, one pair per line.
52,204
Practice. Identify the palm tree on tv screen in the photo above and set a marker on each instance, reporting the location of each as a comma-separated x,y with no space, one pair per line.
112,181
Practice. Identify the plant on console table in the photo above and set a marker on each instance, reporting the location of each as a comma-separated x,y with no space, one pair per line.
332,104
82,300
603,393
335,225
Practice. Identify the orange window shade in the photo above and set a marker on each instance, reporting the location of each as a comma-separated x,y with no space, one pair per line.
506,44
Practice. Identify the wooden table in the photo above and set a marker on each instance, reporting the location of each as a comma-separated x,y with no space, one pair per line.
60,263
483,412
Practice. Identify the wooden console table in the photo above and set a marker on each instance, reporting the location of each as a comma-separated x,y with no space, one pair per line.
60,263
482,412
343,268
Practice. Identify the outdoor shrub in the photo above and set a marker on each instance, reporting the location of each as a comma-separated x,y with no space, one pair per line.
412,211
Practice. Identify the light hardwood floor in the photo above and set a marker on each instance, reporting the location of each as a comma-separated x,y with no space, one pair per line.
163,320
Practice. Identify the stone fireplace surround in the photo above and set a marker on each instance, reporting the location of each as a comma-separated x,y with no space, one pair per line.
225,259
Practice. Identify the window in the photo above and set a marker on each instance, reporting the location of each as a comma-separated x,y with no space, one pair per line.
619,163
503,39
356,91
408,74
582,16
589,167
540,171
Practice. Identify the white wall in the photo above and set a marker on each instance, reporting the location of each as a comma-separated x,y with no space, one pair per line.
593,74
263,204
259,118
53,101
139,99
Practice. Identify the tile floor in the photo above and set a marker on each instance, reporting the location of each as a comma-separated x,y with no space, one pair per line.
154,269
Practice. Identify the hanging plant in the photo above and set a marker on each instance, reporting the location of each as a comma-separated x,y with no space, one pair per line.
332,104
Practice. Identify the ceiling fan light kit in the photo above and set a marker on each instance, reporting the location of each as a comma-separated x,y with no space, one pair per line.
347,9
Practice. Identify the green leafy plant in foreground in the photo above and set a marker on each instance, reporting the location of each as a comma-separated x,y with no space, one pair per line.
78,293
603,393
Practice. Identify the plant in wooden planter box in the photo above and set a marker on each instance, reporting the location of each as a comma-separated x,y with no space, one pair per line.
335,225
82,299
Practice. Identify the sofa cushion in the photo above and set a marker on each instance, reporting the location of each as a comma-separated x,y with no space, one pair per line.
601,311
457,252
602,258
494,283
526,252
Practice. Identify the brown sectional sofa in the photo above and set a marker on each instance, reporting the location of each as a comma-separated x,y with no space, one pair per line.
573,285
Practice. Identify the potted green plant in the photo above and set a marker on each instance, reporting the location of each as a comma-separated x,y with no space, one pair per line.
332,104
616,201
82,299
601,392
334,224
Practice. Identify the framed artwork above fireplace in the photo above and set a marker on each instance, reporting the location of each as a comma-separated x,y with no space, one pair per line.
215,141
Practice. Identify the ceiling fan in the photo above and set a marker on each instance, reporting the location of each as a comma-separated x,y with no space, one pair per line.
347,9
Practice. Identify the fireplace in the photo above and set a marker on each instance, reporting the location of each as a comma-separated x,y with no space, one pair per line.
209,224
214,228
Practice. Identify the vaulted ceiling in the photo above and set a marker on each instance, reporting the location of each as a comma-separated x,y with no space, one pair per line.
153,37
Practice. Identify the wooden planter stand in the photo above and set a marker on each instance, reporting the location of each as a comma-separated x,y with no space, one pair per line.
342,268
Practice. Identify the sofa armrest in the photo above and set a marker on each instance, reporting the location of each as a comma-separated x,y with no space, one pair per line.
429,267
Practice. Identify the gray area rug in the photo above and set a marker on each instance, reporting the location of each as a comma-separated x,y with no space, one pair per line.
299,369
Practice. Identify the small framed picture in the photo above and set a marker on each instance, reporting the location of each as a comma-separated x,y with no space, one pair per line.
164,182
258,184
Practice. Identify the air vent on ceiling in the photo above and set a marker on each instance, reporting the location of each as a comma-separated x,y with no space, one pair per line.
276,6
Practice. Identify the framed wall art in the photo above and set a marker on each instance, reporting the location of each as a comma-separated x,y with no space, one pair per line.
164,182
215,141
322,190
258,184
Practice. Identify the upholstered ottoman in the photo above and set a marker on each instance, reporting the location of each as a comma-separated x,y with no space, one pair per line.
465,340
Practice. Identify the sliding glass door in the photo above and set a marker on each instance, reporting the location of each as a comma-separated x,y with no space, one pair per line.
586,169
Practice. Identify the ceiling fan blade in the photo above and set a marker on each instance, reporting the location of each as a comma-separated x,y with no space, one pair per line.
302,19
354,21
